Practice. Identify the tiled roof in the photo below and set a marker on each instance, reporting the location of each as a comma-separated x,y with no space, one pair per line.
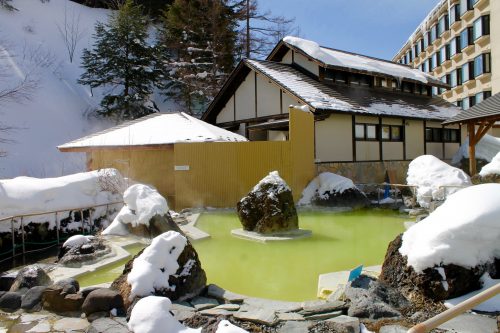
322,97
489,108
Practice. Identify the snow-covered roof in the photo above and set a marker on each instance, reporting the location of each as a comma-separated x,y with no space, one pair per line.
323,97
155,129
352,61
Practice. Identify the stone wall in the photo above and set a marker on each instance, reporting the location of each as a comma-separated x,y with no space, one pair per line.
367,172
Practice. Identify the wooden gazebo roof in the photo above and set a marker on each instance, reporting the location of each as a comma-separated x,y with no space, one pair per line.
484,115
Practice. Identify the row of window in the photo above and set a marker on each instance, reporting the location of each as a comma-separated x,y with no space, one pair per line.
479,28
468,71
371,132
470,101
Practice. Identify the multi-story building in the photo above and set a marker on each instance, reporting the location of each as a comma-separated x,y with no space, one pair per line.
459,43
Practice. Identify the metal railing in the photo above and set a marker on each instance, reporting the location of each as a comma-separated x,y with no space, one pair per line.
458,309
22,217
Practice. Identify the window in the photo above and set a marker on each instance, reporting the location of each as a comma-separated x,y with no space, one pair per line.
422,44
467,71
407,87
479,97
451,135
455,46
472,101
433,134
366,132
486,94
416,48
443,25
391,133
466,38
482,64
481,27
427,38
465,6
459,104
433,35
456,78
424,66
444,53
435,91
465,103
360,80
455,13
430,65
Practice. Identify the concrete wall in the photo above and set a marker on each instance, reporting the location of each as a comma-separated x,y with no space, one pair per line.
367,172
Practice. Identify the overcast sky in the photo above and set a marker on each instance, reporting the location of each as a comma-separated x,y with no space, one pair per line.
377,28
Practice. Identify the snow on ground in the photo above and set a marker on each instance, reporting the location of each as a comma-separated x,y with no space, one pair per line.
25,195
77,241
323,183
152,315
141,204
492,168
464,231
491,305
486,149
435,179
226,327
152,269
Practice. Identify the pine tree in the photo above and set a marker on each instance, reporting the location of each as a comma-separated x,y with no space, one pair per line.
122,62
197,41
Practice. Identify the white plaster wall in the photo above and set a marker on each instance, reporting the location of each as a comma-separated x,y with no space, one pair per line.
277,135
287,59
392,151
366,119
227,113
245,98
307,64
367,151
268,97
414,138
450,149
334,138
289,100
436,149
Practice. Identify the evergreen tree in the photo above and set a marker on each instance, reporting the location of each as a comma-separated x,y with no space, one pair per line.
122,62
197,41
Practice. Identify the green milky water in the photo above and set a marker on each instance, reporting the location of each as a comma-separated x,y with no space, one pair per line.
285,270
289,270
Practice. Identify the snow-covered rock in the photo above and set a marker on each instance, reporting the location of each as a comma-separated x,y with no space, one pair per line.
332,190
268,208
152,315
486,149
490,305
77,241
492,168
25,195
463,231
142,203
226,327
435,179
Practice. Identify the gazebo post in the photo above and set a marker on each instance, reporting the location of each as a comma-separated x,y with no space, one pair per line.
472,148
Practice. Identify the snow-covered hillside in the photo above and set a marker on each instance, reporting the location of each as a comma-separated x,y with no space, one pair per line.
30,43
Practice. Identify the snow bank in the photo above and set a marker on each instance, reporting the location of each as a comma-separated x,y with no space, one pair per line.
486,149
491,305
25,195
141,204
77,241
432,178
226,327
152,269
492,168
463,231
152,315
323,183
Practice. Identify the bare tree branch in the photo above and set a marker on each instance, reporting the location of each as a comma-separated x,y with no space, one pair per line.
70,32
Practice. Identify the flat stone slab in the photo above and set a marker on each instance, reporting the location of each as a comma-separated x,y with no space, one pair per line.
295,327
330,283
471,323
393,329
69,325
311,308
219,293
202,303
217,312
324,316
261,238
228,307
258,315
290,316
271,305
345,324
109,325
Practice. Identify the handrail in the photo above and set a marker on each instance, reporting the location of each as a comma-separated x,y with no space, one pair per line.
58,211
451,313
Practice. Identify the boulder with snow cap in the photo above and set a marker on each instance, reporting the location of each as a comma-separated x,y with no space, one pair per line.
445,255
269,207
490,173
80,249
152,314
29,277
169,267
329,189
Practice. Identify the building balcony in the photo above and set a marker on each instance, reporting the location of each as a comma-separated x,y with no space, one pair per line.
483,40
457,57
447,95
467,15
456,26
438,71
458,89
437,43
484,78
446,35
471,84
469,50
429,49
482,4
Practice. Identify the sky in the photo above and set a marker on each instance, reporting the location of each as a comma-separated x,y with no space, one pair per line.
377,28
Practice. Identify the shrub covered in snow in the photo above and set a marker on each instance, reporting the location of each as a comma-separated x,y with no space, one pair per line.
463,231
435,179
152,315
492,168
486,149
332,189
141,204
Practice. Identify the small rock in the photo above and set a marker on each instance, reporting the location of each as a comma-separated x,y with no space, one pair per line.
41,327
86,291
182,306
345,324
29,277
393,329
183,315
69,285
32,299
202,303
97,315
216,312
102,300
228,307
54,300
258,315
10,301
71,325
324,316
295,327
221,294
108,325
290,316
317,308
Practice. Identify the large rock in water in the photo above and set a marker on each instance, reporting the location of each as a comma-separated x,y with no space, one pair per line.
188,281
269,207
29,277
459,280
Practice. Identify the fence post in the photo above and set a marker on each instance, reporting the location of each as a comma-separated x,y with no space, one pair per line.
57,229
91,221
13,238
83,224
22,234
